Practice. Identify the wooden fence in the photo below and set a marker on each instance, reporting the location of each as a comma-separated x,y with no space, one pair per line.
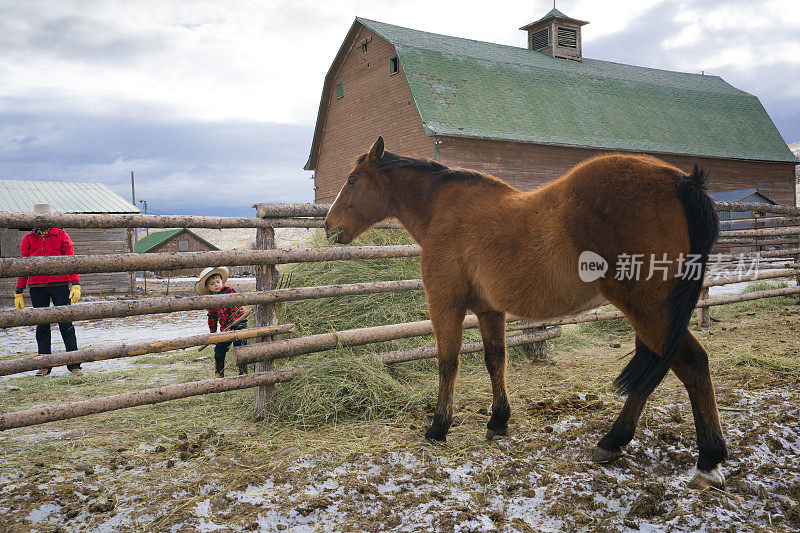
778,244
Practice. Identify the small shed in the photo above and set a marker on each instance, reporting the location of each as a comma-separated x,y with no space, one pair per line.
749,219
19,196
174,240
749,196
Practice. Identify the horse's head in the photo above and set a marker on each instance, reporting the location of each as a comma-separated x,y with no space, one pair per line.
362,202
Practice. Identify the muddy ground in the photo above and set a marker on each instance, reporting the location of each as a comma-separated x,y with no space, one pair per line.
381,474
536,479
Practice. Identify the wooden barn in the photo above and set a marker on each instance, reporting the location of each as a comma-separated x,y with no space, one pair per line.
19,196
174,240
527,115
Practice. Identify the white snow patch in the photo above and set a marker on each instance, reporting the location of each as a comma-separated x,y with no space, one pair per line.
42,514
736,288
203,508
21,341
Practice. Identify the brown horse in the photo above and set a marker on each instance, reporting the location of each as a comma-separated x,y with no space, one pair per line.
493,249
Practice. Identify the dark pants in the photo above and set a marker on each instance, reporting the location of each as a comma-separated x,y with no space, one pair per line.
221,348
41,297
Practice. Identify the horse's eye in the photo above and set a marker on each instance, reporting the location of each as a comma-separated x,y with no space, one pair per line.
351,180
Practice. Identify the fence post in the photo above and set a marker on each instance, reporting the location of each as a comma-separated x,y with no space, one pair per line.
703,313
537,351
266,279
797,279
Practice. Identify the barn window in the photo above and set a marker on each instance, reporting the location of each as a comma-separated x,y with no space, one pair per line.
339,90
183,246
394,65
540,39
567,38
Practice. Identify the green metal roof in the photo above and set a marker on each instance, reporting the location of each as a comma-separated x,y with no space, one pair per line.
468,88
19,196
148,242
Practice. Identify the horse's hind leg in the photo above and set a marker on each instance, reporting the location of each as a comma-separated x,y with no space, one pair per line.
448,327
691,367
493,331
623,429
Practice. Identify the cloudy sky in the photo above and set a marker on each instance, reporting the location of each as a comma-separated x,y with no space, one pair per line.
212,104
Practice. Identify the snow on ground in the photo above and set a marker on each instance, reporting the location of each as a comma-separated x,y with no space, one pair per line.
21,341
736,288
536,479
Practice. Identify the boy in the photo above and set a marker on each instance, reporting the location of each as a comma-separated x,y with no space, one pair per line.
212,281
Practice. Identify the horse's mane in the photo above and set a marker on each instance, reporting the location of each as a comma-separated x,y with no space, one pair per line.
439,173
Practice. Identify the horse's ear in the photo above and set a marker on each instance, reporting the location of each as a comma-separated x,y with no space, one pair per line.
376,152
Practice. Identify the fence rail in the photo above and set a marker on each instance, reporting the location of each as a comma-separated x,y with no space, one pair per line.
147,306
83,264
775,231
745,207
58,220
41,415
88,355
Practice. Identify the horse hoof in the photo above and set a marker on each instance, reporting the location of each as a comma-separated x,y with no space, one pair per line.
704,479
602,456
492,433
435,435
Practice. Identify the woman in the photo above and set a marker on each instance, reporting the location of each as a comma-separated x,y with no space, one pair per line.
61,289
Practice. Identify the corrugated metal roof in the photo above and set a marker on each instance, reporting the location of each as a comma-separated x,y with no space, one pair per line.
742,195
463,87
19,196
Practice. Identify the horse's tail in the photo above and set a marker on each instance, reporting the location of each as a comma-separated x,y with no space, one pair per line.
646,370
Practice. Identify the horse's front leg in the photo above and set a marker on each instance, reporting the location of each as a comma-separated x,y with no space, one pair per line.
493,332
447,326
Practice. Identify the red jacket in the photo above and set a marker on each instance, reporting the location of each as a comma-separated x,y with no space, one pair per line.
223,315
56,242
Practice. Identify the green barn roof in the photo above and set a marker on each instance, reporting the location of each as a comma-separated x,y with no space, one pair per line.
468,88
148,242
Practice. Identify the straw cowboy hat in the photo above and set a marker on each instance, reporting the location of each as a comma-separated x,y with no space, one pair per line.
200,287
42,209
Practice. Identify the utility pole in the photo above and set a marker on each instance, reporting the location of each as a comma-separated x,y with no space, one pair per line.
133,197
145,212
133,190
144,272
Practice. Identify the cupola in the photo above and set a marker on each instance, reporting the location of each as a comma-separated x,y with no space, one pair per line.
557,35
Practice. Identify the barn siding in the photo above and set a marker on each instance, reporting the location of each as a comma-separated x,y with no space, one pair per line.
528,166
374,103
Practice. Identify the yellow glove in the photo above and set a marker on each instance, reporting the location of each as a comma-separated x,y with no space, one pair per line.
75,293
19,303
